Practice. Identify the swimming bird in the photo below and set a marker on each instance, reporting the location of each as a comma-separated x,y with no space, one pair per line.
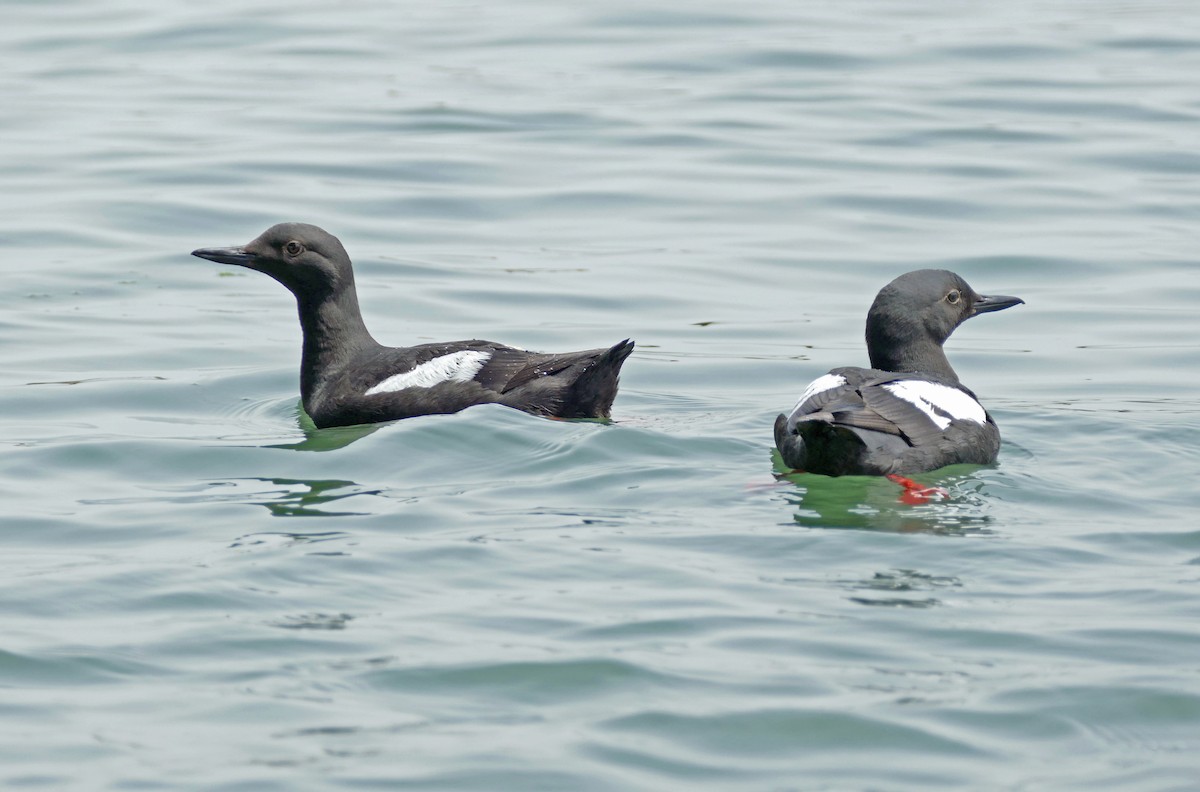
347,377
908,413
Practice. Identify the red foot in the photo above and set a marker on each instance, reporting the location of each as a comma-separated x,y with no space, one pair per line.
915,494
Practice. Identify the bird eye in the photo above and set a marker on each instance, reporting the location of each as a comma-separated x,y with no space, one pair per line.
953,297
294,248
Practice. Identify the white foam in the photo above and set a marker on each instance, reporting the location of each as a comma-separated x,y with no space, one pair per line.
455,367
820,385
926,396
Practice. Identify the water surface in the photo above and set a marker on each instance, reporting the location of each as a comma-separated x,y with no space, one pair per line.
200,591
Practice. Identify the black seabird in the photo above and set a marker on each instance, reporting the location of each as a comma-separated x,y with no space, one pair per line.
347,377
908,413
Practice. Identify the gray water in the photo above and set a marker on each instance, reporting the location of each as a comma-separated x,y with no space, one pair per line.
199,591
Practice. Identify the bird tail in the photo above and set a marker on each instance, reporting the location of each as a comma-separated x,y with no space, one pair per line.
817,445
593,392
790,444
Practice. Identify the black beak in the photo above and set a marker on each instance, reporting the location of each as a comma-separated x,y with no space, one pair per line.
995,302
234,255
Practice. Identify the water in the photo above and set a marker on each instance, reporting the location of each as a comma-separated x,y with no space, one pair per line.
200,593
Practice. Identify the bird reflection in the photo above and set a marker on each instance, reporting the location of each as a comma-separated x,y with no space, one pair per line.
306,498
326,439
878,504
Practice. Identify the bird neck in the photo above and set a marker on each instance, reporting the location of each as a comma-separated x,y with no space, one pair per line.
928,359
334,332
903,346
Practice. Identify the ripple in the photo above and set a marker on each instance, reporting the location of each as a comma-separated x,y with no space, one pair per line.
526,683
765,732
314,621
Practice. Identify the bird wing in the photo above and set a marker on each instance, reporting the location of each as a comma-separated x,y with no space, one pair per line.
902,416
510,368
861,401
506,368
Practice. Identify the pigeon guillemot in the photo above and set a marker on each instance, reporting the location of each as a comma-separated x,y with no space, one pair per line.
347,377
908,413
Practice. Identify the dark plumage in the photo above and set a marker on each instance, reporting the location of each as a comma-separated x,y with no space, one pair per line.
908,413
347,377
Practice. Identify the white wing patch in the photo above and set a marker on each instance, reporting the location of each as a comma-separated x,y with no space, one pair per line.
455,367
820,385
938,401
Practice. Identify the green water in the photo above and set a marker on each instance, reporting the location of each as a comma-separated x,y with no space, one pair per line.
200,591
